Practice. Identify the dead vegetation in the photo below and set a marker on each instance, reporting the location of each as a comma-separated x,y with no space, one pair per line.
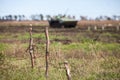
89,58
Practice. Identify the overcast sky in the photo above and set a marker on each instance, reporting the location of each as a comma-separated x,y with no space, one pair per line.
91,8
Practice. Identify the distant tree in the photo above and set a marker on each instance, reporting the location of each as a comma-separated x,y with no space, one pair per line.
101,17
23,17
41,17
6,17
10,17
3,18
73,17
20,17
32,17
114,17
107,18
15,17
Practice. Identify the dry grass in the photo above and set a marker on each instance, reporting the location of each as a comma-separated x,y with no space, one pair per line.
88,59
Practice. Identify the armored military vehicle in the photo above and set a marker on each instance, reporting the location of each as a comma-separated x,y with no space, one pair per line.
62,22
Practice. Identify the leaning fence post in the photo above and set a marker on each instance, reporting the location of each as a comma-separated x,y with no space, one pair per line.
67,70
47,51
31,48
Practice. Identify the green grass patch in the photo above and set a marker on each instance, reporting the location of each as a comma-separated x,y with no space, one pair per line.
27,36
3,47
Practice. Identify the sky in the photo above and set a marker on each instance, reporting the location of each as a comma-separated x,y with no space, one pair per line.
90,8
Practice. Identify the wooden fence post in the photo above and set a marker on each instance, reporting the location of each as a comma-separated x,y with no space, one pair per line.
31,48
103,28
47,51
89,28
67,70
117,28
95,28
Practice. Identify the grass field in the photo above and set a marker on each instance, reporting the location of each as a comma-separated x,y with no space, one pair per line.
92,55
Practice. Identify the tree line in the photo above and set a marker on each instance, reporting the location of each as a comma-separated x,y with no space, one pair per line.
34,17
38,17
